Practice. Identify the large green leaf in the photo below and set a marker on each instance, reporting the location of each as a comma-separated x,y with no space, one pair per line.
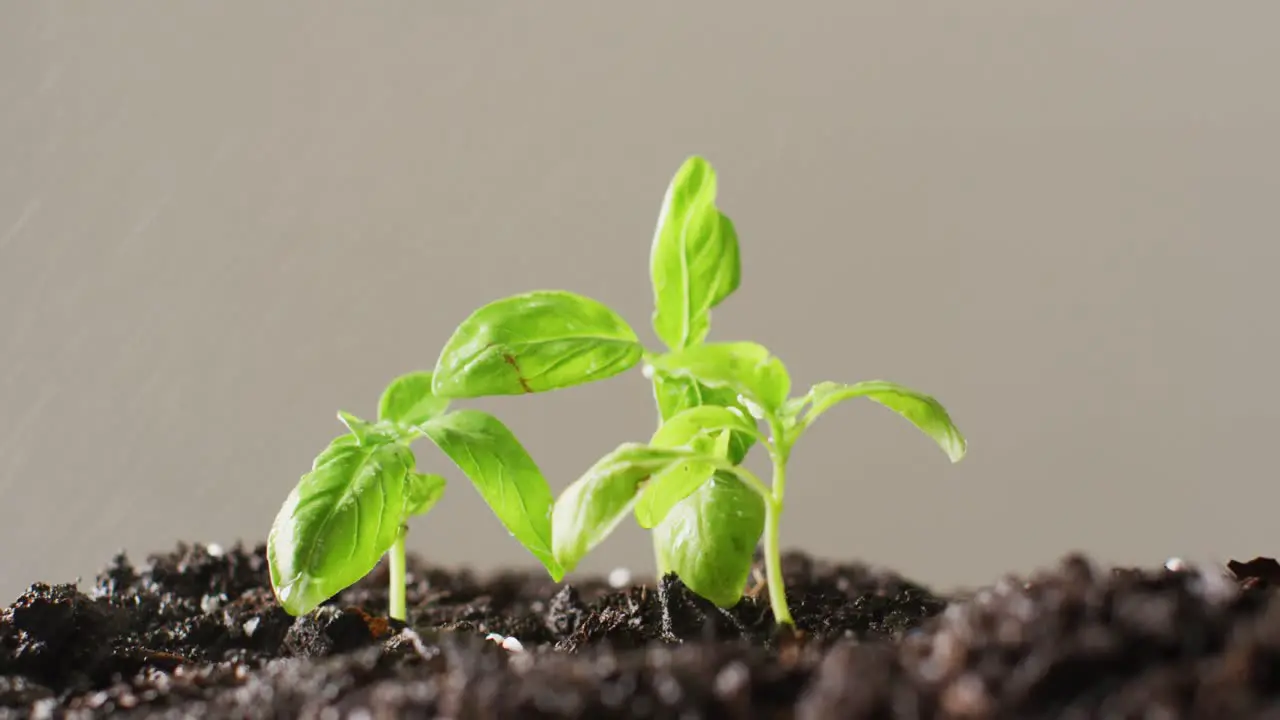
710,537
507,478
408,400
745,368
590,508
535,342
694,261
923,411
701,429
676,394
339,520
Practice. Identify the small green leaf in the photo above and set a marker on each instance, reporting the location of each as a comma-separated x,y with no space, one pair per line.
408,400
366,433
923,411
792,408
338,521
704,419
422,492
694,261
535,342
674,394
709,538
746,368
589,509
723,444
699,429
504,474
359,428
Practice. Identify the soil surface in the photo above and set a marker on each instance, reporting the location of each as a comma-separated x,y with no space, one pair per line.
197,633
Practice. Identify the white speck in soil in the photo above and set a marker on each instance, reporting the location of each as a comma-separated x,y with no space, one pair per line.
732,679
619,578
214,550
512,645
209,603
668,689
966,697
251,626
1176,565
44,708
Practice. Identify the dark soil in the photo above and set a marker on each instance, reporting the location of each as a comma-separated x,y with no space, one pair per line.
197,633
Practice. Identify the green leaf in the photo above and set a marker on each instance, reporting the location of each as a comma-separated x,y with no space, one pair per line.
535,342
590,508
923,411
674,394
338,521
704,419
745,368
408,400
710,537
694,261
422,491
366,433
504,474
360,429
702,429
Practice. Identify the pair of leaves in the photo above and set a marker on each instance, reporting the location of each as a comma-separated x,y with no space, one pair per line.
682,486
707,538
593,505
749,370
487,452
720,520
745,369
704,430
705,520
346,513
677,394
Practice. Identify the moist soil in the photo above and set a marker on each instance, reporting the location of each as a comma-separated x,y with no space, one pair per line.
197,633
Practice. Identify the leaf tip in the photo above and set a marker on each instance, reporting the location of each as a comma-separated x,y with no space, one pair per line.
556,572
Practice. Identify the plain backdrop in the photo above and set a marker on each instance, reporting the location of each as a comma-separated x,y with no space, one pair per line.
220,223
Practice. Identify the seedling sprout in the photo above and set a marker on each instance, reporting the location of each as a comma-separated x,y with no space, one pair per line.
687,484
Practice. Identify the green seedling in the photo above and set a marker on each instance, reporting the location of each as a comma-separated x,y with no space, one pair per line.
687,484
351,509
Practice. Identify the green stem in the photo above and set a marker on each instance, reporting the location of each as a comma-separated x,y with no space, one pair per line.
773,565
396,561
778,452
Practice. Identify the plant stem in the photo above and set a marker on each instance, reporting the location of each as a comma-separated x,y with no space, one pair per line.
778,452
773,565
396,562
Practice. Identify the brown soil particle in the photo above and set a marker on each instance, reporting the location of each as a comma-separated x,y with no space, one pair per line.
197,633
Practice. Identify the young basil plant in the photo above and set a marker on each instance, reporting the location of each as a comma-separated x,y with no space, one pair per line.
547,340
687,485
755,375
351,509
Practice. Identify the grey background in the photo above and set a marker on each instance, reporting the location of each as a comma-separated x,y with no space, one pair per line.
222,222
